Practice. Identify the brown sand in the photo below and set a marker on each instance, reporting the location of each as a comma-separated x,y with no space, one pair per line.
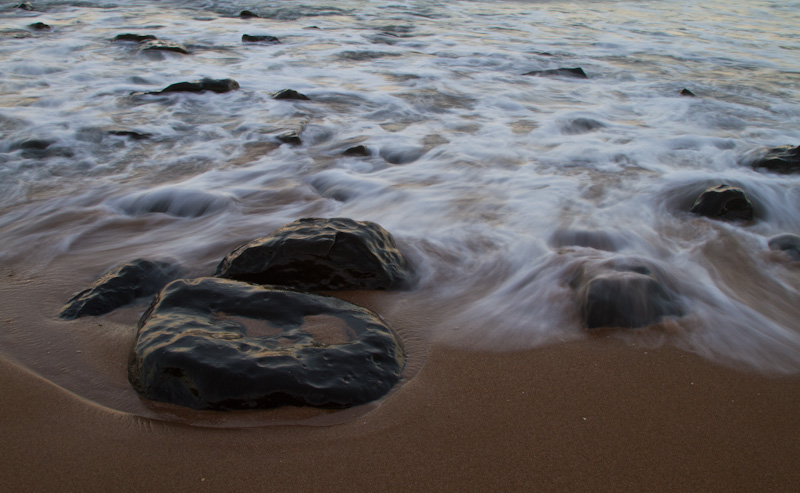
587,416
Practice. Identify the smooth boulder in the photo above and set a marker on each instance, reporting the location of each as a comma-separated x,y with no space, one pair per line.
315,254
248,38
218,344
723,202
624,293
120,286
135,38
290,95
158,45
784,159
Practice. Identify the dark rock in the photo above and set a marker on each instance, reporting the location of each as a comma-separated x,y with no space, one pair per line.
120,286
219,344
784,159
320,255
130,133
32,145
687,92
577,73
136,38
290,138
290,94
246,38
723,202
214,85
587,238
627,293
246,14
25,6
157,45
788,244
39,26
357,151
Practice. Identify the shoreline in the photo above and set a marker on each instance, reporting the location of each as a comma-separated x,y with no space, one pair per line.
597,414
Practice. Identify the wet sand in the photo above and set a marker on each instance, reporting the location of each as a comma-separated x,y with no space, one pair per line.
593,415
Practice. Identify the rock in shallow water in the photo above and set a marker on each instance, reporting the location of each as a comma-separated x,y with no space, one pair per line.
788,244
315,254
784,159
723,202
627,293
120,286
259,38
213,85
576,73
219,344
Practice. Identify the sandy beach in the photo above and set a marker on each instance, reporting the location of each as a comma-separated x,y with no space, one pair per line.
594,415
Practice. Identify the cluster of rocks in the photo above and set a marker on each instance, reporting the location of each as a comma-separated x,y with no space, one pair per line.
256,335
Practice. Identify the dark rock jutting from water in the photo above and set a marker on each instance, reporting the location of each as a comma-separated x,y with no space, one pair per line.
687,93
135,38
291,138
246,14
39,26
784,159
247,38
725,203
158,45
120,286
788,244
575,73
357,151
623,293
25,6
213,85
321,255
198,346
290,95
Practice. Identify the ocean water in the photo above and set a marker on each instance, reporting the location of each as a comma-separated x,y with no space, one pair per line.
486,177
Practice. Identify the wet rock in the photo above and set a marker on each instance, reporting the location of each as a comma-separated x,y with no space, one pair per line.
158,45
723,202
581,126
247,38
129,133
357,151
587,238
246,14
623,292
784,159
219,344
291,138
576,73
320,255
25,6
32,145
290,94
135,38
788,244
687,92
39,26
214,85
120,286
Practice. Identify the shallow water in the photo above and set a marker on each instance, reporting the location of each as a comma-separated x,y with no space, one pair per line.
489,180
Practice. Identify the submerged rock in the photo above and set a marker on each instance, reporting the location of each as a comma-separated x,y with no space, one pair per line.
219,344
723,202
784,159
214,85
321,255
290,94
39,26
135,38
120,286
247,38
158,45
626,293
25,6
576,73
788,244
587,238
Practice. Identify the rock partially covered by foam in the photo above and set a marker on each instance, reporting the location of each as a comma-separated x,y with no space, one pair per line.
218,344
784,159
158,45
320,255
788,244
624,292
575,73
120,286
206,84
723,202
